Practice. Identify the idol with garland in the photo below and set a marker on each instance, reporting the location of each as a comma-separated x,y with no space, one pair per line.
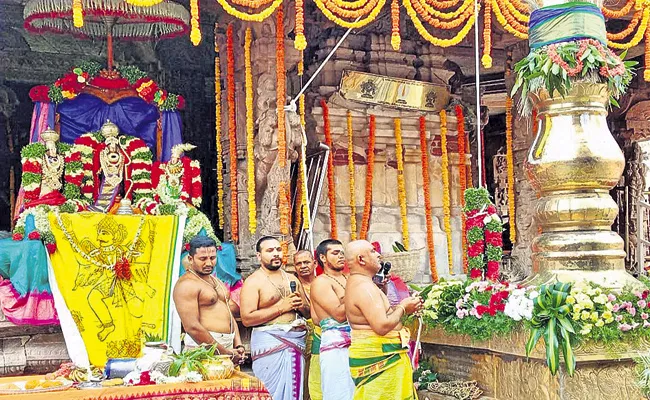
115,167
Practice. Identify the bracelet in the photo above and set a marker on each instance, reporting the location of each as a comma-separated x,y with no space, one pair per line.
240,345
402,307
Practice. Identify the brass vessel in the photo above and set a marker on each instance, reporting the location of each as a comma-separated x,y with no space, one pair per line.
573,163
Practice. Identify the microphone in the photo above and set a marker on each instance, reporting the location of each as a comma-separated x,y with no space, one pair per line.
292,286
387,266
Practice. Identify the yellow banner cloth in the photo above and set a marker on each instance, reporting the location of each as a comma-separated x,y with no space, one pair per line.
115,274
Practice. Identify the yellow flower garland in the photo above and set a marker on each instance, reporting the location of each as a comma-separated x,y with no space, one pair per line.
401,184
251,17
304,205
447,15
217,102
300,43
195,31
446,199
395,39
351,24
434,40
504,23
511,171
638,36
353,205
77,14
250,124
144,3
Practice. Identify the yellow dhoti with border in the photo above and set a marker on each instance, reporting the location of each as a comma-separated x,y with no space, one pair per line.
380,366
315,392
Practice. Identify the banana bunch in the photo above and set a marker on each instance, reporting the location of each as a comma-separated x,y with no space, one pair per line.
81,374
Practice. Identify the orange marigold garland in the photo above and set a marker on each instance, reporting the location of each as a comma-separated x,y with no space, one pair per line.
300,43
195,32
462,175
424,152
217,110
353,204
446,199
511,171
646,64
367,204
486,59
281,98
401,184
331,191
250,135
303,167
395,39
232,136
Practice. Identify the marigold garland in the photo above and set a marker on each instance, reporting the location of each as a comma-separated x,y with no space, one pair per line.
634,22
646,57
337,10
509,23
144,3
250,124
511,171
486,59
331,191
638,36
395,39
250,16
401,184
232,136
453,15
77,14
281,98
304,205
434,40
353,205
195,31
462,175
367,204
446,199
426,182
300,43
217,110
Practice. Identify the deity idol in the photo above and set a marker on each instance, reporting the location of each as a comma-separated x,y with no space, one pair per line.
115,166
178,182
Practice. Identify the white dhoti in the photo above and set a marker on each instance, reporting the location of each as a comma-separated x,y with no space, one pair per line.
278,359
225,339
336,381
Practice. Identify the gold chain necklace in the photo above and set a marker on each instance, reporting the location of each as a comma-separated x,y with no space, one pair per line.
337,281
284,275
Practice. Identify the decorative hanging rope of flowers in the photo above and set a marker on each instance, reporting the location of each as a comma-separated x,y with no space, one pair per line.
421,11
401,183
107,18
446,197
250,134
232,136
351,173
255,10
367,203
351,14
331,191
462,175
426,184
281,100
511,171
217,110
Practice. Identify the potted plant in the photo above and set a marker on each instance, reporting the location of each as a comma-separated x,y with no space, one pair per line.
204,361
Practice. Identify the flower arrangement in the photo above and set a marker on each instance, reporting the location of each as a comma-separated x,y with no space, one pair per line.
426,183
350,14
88,73
483,226
41,230
254,9
197,221
462,176
446,198
331,190
511,171
420,12
401,183
250,134
351,172
232,135
367,204
219,148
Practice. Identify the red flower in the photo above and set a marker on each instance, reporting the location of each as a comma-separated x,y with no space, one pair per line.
181,102
146,89
145,379
108,83
498,297
471,214
494,238
476,274
17,236
122,269
644,295
187,247
32,167
491,209
51,247
492,270
481,309
69,83
476,249
474,222
34,235
40,93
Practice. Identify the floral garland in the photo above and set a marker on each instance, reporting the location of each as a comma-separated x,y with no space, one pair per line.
419,26
191,188
353,205
304,205
646,57
484,231
507,21
196,221
511,171
250,134
395,39
219,149
462,176
300,42
331,190
350,14
255,14
367,205
195,26
41,230
486,59
77,14
401,184
446,198
232,136
281,99
426,183
87,73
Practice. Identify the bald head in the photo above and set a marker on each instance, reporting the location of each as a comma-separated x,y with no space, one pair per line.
362,257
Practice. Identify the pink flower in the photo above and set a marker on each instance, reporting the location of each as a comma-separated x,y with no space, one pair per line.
611,297
619,318
635,325
459,303
461,313
638,294
616,307
624,327
641,303
646,324
632,311
644,316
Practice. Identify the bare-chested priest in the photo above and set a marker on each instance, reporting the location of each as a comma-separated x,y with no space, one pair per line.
379,363
274,304
203,303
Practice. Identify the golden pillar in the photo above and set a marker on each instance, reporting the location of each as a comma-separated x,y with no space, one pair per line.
572,164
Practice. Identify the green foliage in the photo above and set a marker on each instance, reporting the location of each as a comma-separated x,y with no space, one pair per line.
192,213
152,337
30,178
143,156
47,237
494,226
131,73
398,247
476,198
476,262
73,166
493,253
55,94
170,103
67,207
167,209
474,235
34,150
482,329
192,360
552,323
424,375
141,176
642,370
92,67
63,148
71,192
